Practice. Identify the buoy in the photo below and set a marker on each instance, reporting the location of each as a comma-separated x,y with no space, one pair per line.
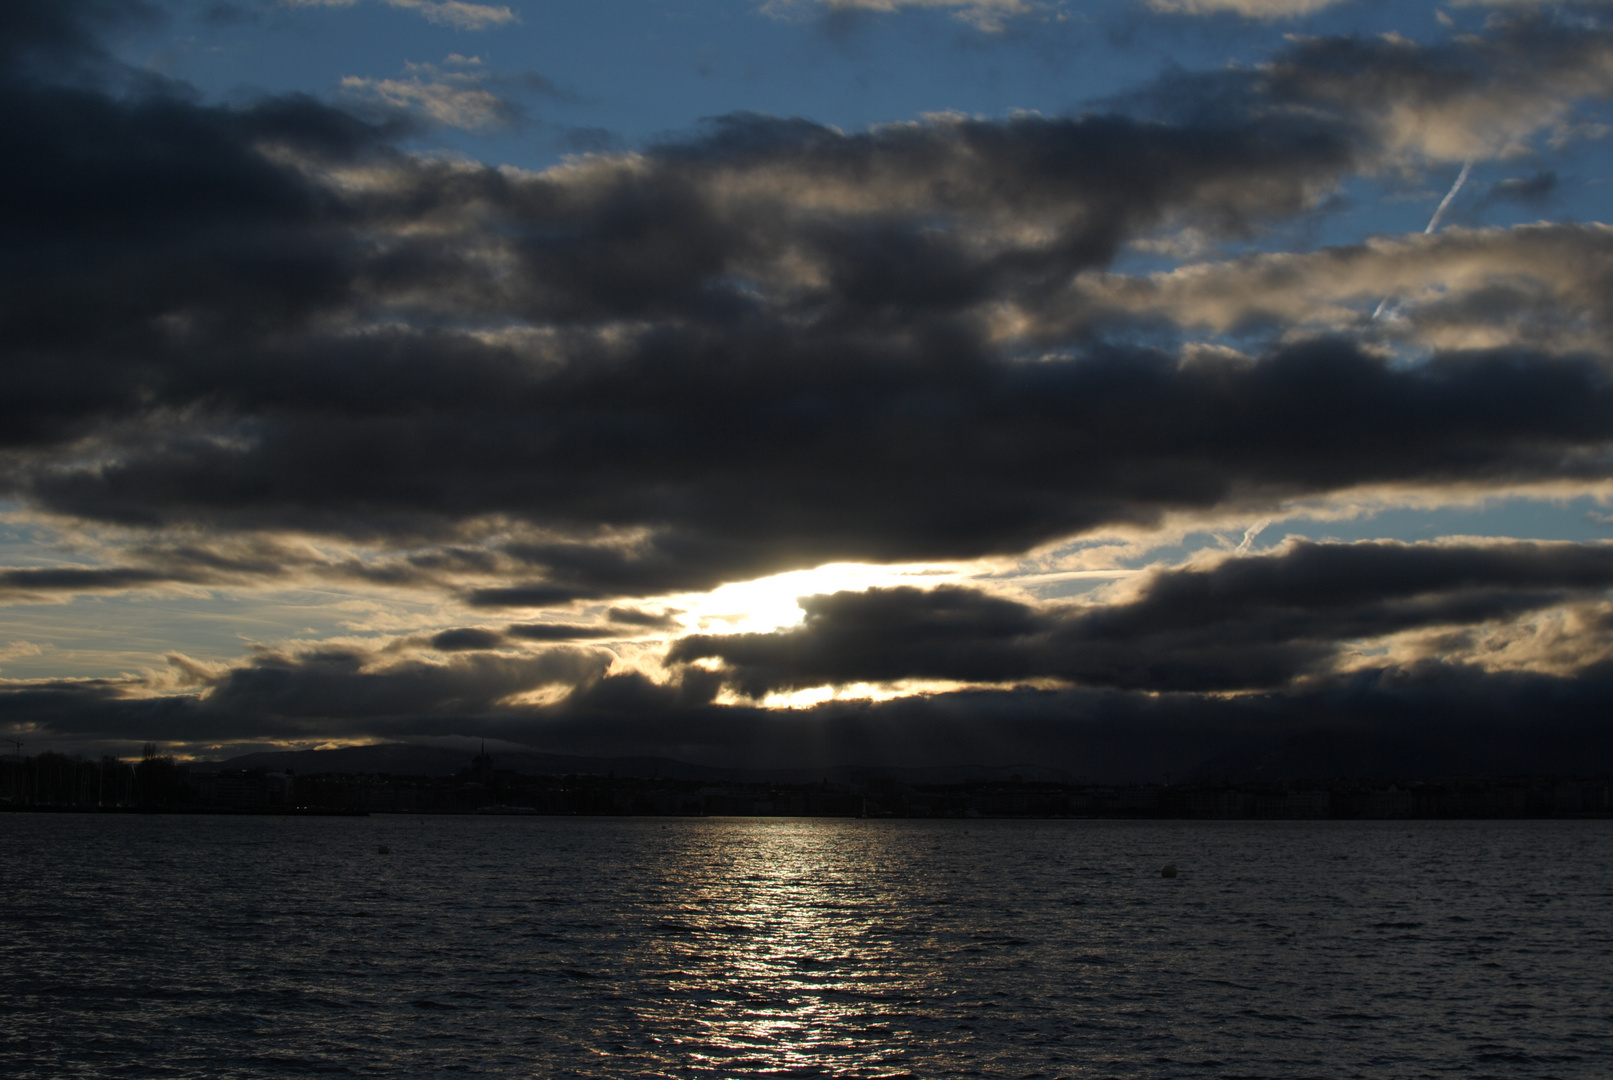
1169,871
384,850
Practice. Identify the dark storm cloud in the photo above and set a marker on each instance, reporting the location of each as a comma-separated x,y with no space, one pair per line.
128,219
579,631
91,710
168,564
465,639
763,346
770,344
747,458
58,30
630,624
563,631
231,561
1246,622
57,579
338,683
1431,720
649,620
1474,96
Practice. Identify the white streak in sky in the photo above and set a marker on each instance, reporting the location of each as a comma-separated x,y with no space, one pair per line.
1439,212
1433,222
1251,532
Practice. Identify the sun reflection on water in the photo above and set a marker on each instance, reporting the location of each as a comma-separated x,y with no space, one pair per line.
719,948
778,955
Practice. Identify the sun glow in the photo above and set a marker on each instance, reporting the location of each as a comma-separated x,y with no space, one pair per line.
862,691
770,603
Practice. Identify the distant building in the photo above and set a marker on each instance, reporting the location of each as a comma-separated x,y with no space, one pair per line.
481,767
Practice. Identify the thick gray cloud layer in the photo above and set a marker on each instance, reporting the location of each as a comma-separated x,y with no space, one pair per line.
1251,622
769,345
1432,719
762,347
1276,624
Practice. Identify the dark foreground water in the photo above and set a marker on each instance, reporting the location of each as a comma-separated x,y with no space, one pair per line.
196,947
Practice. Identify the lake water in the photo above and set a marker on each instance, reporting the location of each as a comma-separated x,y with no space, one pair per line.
547,947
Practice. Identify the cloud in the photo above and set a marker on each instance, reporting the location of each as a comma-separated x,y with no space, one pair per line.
466,639
740,468
987,15
333,682
451,99
768,346
1539,287
460,15
1435,720
1236,623
1249,9
1477,97
454,13
992,16
34,582
263,343
12,650
244,560
469,638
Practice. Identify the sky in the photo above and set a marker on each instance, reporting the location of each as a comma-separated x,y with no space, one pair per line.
1135,388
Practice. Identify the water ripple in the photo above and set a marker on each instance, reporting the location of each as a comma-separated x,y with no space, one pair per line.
259,947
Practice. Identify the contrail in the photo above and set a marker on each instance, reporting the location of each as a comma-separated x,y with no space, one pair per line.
1253,531
1461,178
1433,222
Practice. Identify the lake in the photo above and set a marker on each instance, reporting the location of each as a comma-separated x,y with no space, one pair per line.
625,947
